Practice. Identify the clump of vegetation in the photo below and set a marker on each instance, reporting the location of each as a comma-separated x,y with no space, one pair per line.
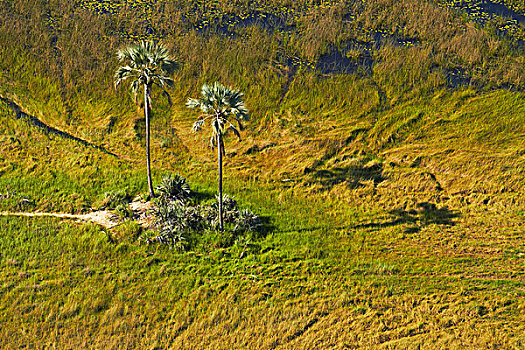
115,199
174,188
181,225
239,220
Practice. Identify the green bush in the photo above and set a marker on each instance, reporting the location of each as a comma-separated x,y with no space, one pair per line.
183,225
174,188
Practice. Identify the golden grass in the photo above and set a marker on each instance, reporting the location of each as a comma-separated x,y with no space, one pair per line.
397,203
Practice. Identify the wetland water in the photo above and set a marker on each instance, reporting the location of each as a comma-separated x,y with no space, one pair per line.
483,10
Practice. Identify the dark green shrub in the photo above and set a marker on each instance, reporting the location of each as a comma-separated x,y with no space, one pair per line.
174,188
230,211
182,224
176,221
246,220
179,215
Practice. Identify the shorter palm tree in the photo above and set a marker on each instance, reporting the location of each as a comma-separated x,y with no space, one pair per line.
148,64
223,107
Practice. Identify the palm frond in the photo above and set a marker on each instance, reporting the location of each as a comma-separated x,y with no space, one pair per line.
240,112
241,127
164,80
168,97
135,86
193,103
125,54
162,84
169,66
236,132
197,126
122,74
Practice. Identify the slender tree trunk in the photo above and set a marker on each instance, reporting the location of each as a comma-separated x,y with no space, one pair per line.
219,148
148,157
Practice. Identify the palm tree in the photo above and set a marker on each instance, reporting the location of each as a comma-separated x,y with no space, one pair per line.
222,106
148,64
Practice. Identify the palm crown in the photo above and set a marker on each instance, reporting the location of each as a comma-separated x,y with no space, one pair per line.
223,106
149,64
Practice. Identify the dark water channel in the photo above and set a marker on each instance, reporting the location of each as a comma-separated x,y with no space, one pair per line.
482,10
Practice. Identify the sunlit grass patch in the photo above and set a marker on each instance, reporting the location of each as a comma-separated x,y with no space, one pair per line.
394,195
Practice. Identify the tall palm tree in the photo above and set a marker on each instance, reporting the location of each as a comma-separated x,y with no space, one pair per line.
222,106
148,64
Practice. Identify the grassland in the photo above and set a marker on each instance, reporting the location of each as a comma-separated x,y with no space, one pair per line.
386,150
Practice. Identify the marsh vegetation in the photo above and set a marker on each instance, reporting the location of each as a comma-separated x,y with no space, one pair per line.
375,201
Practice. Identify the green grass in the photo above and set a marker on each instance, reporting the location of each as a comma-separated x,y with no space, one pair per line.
56,174
336,253
73,285
395,200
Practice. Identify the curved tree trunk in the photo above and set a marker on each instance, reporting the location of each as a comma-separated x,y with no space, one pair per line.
148,157
219,150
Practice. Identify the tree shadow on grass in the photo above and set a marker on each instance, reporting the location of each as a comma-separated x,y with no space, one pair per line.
352,176
425,215
266,226
19,114
200,197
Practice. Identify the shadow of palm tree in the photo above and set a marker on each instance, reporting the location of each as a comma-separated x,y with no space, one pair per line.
426,214
19,114
198,197
351,175
266,226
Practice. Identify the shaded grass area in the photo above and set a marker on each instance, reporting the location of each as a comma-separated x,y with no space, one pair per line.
18,114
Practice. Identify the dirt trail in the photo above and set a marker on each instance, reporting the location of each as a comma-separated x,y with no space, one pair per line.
104,218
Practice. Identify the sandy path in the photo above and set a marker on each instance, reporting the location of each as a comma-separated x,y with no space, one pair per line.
102,217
